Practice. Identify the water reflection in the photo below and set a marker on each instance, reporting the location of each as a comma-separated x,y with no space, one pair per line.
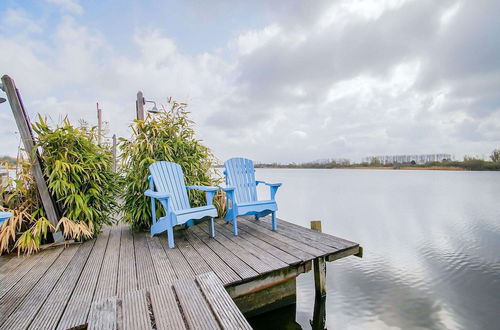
431,244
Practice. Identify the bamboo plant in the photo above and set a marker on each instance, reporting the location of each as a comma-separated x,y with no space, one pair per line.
79,175
168,136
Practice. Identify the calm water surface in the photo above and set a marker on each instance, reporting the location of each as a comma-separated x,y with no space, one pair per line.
431,242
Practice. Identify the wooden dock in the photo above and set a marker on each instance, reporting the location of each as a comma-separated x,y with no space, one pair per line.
62,288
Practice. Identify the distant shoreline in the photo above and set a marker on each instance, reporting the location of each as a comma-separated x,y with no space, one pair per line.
405,168
432,168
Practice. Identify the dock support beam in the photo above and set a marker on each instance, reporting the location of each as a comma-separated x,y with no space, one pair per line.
319,267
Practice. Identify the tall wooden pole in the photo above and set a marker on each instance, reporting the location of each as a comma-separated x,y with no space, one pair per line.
139,106
319,316
99,124
114,152
319,267
24,126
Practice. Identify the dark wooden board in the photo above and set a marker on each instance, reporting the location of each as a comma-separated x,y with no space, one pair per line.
146,275
278,244
224,308
238,265
182,268
163,267
196,311
51,310
165,308
135,311
127,275
28,307
225,273
78,306
16,294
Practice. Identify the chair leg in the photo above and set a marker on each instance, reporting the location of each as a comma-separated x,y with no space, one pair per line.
235,226
170,237
212,227
273,217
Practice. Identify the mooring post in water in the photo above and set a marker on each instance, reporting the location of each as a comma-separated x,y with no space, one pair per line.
319,267
319,315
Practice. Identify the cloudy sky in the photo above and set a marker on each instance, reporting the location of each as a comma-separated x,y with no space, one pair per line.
270,80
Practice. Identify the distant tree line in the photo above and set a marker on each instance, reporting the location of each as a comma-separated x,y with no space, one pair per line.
469,163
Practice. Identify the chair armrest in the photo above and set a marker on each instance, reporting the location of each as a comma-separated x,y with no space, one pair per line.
269,184
227,188
203,188
156,194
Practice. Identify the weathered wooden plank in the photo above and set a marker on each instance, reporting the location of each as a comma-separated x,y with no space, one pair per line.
127,275
51,310
330,240
256,250
16,294
238,265
257,264
287,247
224,308
24,126
312,237
15,275
225,273
10,265
166,312
146,274
108,277
104,313
182,268
195,260
78,306
304,236
23,314
287,258
282,237
135,311
196,311
163,268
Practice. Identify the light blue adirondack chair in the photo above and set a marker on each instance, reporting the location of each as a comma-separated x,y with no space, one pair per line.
4,216
241,190
166,184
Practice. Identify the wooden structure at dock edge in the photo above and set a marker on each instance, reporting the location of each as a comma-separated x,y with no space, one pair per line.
24,126
61,287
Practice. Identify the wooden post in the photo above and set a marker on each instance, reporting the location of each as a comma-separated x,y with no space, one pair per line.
139,106
24,126
319,314
319,268
99,124
316,225
114,152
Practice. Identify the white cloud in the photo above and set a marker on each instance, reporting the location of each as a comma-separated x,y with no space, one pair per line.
371,80
69,6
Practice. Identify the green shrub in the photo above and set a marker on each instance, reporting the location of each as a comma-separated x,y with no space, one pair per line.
165,136
79,174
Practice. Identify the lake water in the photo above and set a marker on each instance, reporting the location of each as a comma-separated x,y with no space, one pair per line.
431,246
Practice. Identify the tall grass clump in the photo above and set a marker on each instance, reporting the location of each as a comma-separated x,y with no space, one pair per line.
80,178
80,175
165,136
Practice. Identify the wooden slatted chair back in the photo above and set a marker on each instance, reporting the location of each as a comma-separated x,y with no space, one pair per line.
168,177
240,174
